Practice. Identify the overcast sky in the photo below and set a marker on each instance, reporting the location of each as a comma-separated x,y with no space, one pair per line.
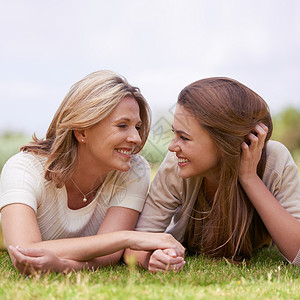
158,45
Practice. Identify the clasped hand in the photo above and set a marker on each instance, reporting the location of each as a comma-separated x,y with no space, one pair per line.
165,260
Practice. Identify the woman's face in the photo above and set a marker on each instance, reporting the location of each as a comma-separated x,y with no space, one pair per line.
196,151
109,144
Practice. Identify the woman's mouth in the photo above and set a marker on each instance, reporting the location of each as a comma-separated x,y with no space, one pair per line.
182,161
124,152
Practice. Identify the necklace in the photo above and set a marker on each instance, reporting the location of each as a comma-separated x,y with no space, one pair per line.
84,195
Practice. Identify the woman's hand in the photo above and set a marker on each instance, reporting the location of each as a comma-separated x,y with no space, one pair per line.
165,260
32,261
251,153
153,241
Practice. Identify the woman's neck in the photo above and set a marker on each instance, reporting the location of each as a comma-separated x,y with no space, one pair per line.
86,179
82,189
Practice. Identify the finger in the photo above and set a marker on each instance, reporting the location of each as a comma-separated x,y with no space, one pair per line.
176,267
159,266
31,251
17,254
253,140
170,252
23,259
156,265
180,250
264,127
262,131
175,245
167,259
170,260
20,262
244,147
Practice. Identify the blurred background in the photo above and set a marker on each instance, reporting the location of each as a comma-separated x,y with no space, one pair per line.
158,45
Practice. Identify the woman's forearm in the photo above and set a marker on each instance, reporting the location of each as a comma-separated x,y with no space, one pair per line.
31,260
282,226
86,248
139,257
68,265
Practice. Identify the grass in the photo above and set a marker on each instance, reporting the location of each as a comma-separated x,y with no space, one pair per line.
267,276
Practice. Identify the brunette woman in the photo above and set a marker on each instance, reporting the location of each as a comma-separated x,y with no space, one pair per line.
224,188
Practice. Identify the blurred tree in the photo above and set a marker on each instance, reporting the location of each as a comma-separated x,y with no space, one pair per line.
287,129
10,143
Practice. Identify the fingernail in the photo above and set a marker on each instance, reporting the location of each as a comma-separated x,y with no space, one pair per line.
263,125
10,247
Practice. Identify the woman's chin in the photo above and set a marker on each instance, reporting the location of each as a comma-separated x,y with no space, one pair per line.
184,175
123,167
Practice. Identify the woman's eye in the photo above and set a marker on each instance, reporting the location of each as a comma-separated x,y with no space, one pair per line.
181,136
184,138
138,128
122,125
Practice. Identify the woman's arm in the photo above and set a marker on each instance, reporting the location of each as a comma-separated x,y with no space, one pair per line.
20,228
282,226
116,219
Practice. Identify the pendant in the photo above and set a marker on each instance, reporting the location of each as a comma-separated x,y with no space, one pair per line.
84,199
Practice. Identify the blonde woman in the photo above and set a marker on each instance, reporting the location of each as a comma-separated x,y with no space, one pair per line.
70,201
224,188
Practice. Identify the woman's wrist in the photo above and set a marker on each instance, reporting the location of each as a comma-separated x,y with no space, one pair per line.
249,181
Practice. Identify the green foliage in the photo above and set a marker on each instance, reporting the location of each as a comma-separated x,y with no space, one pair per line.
10,143
266,276
287,130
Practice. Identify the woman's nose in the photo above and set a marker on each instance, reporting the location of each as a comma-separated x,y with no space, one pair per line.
134,137
173,147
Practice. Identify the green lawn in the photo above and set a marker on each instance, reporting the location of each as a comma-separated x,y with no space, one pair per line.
266,276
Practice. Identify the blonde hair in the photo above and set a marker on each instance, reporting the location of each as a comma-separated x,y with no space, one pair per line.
89,101
229,110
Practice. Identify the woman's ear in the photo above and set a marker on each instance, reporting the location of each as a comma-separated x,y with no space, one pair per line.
80,135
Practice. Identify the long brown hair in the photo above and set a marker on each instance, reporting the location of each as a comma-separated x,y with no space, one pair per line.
89,101
229,111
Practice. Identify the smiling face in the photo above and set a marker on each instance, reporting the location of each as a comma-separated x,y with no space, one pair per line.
196,151
109,145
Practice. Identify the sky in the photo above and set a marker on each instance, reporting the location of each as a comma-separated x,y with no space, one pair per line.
160,46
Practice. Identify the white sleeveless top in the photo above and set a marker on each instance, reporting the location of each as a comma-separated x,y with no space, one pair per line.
22,181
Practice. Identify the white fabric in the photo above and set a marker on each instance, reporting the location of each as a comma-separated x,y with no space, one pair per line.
22,181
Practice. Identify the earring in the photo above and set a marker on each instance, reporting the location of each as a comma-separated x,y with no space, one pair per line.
82,140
